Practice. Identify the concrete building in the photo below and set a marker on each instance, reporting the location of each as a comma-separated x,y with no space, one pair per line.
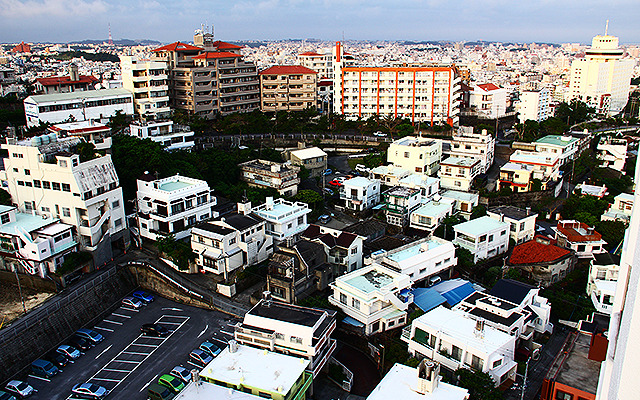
285,220
431,214
428,185
399,203
455,340
343,249
420,260
360,193
288,88
579,237
542,260
313,159
206,390
50,181
148,80
527,298
288,329
522,222
566,148
374,298
416,154
604,270
463,202
484,237
172,206
92,132
612,153
535,105
32,244
467,144
79,106
427,94
603,78
488,100
171,136
516,176
73,82
543,166
389,175
458,173
621,208
282,177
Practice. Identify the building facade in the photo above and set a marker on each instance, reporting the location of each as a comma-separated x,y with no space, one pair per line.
288,88
579,237
285,220
535,105
399,203
467,144
416,154
149,82
458,173
171,136
488,100
522,222
360,193
484,237
282,177
313,159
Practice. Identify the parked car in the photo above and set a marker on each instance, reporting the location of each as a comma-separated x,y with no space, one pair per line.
143,296
362,169
80,343
20,388
324,218
174,384
44,369
57,359
434,280
327,172
379,134
90,335
154,330
159,392
335,183
341,179
89,391
210,348
132,302
6,396
69,351
200,358
182,373
328,191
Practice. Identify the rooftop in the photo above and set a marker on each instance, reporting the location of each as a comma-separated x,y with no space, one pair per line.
80,96
434,208
487,87
174,185
460,196
576,231
557,140
512,212
391,170
369,279
479,226
206,390
606,259
214,228
216,54
310,152
529,157
572,366
539,250
401,191
460,162
280,208
415,141
25,222
511,290
288,313
262,369
177,46
511,166
65,80
287,70
358,181
419,180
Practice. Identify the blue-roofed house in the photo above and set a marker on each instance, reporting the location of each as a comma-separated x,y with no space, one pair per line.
449,292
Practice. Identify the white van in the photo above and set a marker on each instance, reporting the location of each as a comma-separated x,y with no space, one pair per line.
361,168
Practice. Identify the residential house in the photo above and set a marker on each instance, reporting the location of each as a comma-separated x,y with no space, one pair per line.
286,220
343,249
522,222
542,260
526,297
579,237
463,202
74,82
612,152
172,206
360,194
543,166
591,190
171,136
484,237
288,329
604,269
374,298
516,176
415,154
282,177
429,186
455,340
399,203
370,229
421,260
458,173
148,80
488,100
389,175
620,210
430,215
565,147
91,131
467,144
313,159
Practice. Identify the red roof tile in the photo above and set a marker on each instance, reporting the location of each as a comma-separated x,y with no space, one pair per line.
66,80
178,46
309,53
534,252
488,87
216,54
224,45
287,69
21,48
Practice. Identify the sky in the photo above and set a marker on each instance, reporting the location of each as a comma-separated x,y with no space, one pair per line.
554,21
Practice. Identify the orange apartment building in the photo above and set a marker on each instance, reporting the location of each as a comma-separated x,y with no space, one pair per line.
288,88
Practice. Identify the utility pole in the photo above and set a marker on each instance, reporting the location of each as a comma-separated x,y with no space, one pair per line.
15,271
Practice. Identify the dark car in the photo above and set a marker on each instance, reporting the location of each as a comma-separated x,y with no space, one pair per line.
43,368
79,343
154,330
57,359
143,296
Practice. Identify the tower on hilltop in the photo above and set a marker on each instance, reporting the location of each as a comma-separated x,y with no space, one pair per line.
110,38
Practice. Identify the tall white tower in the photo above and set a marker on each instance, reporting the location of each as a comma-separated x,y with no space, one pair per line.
619,371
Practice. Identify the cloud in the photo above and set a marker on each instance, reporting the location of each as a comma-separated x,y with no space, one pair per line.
51,8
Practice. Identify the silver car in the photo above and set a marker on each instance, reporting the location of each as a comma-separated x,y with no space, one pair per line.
182,373
69,351
20,388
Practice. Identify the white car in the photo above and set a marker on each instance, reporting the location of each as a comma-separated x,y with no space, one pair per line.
20,388
132,302
182,373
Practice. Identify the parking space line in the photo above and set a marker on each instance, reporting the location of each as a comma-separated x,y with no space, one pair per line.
171,308
134,353
124,361
145,345
169,323
204,330
173,316
112,322
152,337
103,351
226,333
195,365
39,377
116,370
103,329
121,315
148,383
106,379
130,309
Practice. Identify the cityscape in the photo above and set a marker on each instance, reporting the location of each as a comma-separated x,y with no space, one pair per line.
224,210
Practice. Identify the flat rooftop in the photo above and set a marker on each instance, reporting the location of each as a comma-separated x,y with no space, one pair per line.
480,226
311,152
575,369
460,162
401,191
433,208
175,185
287,313
419,180
401,382
532,157
370,281
206,390
460,196
412,250
414,141
357,182
557,140
79,96
279,209
512,212
27,222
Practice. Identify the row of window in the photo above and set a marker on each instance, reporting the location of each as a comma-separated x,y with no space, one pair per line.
86,104
65,187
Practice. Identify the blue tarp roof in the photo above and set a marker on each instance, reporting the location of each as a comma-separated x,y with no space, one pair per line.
351,321
427,299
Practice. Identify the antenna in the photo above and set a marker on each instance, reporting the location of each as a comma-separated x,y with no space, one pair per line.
110,38
606,28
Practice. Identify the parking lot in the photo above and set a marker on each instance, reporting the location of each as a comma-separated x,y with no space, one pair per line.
126,362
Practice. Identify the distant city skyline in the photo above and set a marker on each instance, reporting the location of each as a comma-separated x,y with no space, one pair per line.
416,20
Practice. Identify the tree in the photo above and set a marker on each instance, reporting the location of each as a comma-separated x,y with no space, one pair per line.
573,112
536,185
465,258
312,198
179,252
478,211
481,385
118,121
612,232
5,198
86,151
390,124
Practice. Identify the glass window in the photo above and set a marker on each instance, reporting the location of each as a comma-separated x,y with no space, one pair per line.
355,303
343,298
456,352
55,185
66,212
66,187
4,218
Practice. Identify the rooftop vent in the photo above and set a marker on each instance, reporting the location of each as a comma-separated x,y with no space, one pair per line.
233,346
267,299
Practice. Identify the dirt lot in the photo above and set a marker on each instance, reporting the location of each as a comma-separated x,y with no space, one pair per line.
10,304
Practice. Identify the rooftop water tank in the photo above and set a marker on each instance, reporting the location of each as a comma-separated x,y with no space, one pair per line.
36,141
44,139
53,137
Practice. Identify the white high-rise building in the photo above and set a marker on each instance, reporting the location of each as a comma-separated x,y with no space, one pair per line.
148,81
535,105
602,79
619,371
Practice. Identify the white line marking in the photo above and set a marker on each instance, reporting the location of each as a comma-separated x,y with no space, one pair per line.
123,361
170,323
226,333
195,365
121,315
103,329
107,379
146,345
148,383
135,353
204,330
112,322
171,308
41,378
152,337
103,351
172,316
116,370
130,309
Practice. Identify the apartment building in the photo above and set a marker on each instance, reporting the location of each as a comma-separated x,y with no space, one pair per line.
415,154
526,297
543,166
399,203
455,340
389,175
289,329
488,100
522,222
288,88
91,131
427,94
80,106
566,148
343,249
360,193
603,78
542,260
430,215
285,220
270,174
148,80
74,82
328,63
171,136
47,179
621,208
612,153
458,173
429,186
467,144
172,206
579,237
602,281
420,260
374,298
535,105
33,244
210,78
313,159
484,237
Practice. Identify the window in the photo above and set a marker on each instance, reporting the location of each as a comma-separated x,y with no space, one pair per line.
354,250
55,185
522,226
503,233
343,298
295,339
118,222
15,170
456,352
491,238
4,218
28,206
115,204
476,362
66,212
355,303
497,363
66,187
560,395
45,209
232,241
406,154
279,336
27,172
20,183
301,220
482,238
264,395
582,247
37,184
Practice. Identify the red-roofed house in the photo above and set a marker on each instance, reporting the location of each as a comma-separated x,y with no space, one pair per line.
21,48
288,87
543,260
65,84
488,99
579,237
343,249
